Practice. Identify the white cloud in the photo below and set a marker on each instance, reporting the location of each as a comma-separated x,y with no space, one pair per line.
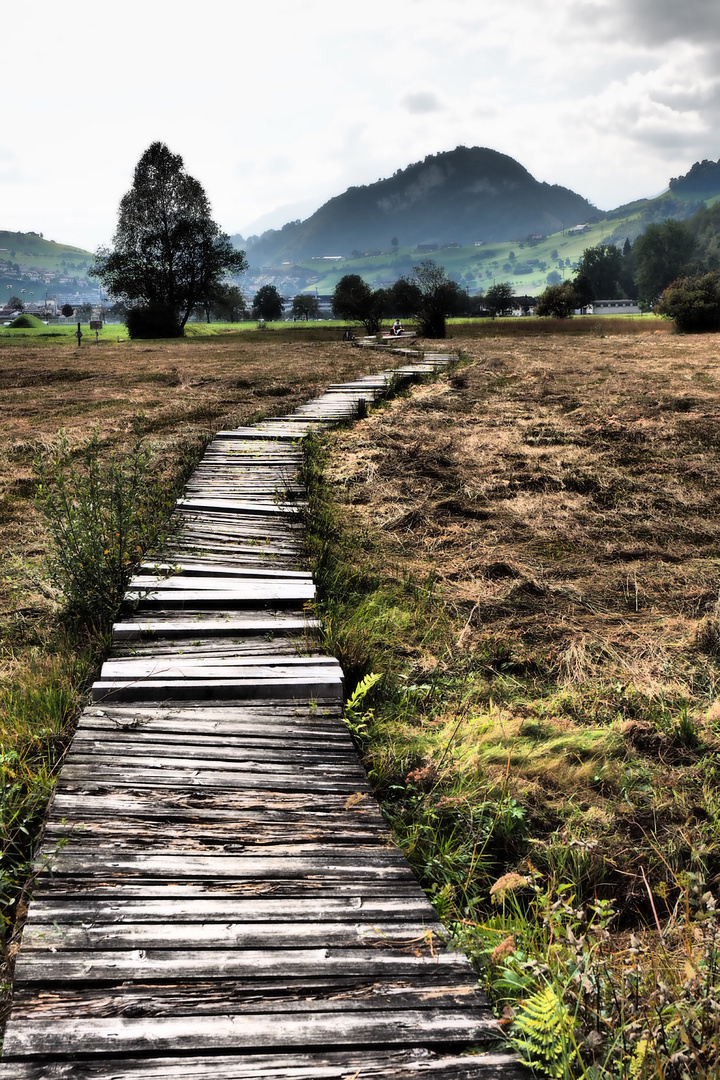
422,101
609,97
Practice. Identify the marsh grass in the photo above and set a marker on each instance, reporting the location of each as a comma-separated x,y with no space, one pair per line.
527,553
102,512
39,700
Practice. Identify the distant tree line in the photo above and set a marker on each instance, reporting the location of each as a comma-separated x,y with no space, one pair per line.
428,295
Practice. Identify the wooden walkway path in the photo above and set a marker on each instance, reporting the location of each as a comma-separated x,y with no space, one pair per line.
218,896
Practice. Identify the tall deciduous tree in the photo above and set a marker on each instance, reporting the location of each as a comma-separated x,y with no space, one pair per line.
404,298
602,266
267,303
354,299
662,253
439,297
305,306
558,301
693,302
168,255
499,298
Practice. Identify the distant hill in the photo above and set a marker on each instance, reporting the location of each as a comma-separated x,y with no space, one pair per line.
32,267
32,249
464,196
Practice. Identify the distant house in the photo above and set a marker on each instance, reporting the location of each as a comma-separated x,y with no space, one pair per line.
613,307
524,305
577,230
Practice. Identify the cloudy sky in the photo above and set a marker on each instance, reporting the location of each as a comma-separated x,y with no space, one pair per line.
276,107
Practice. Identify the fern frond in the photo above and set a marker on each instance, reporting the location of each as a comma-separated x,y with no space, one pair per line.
361,690
545,1029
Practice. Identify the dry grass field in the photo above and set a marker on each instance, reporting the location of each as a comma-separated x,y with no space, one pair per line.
536,545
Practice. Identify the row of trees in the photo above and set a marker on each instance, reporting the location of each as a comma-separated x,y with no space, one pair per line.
428,296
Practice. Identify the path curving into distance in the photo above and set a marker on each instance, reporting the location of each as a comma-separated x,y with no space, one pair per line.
218,896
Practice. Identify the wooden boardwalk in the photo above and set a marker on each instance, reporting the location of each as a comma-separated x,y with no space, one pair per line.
217,895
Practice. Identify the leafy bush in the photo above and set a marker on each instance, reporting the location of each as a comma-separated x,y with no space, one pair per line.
693,303
153,321
558,301
101,517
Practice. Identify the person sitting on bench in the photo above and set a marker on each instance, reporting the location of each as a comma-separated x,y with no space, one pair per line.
397,328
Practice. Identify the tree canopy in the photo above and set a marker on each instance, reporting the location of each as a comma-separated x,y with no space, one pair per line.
226,304
267,303
439,297
167,255
693,302
602,266
305,306
662,253
499,299
354,299
558,301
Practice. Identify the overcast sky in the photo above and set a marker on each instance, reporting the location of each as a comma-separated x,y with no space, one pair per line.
280,106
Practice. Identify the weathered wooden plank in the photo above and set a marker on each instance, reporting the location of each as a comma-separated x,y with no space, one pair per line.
110,842
213,690
331,735
311,837
46,966
236,996
135,887
199,834
248,587
94,799
233,909
187,665
162,775
207,599
344,865
232,750
199,568
264,760
250,1031
178,626
384,1064
266,506
228,645
301,715
421,939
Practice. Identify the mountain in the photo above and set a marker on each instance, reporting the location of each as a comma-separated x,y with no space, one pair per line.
463,196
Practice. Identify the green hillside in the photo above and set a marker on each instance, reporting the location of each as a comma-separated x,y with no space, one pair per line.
32,250
32,267
526,264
